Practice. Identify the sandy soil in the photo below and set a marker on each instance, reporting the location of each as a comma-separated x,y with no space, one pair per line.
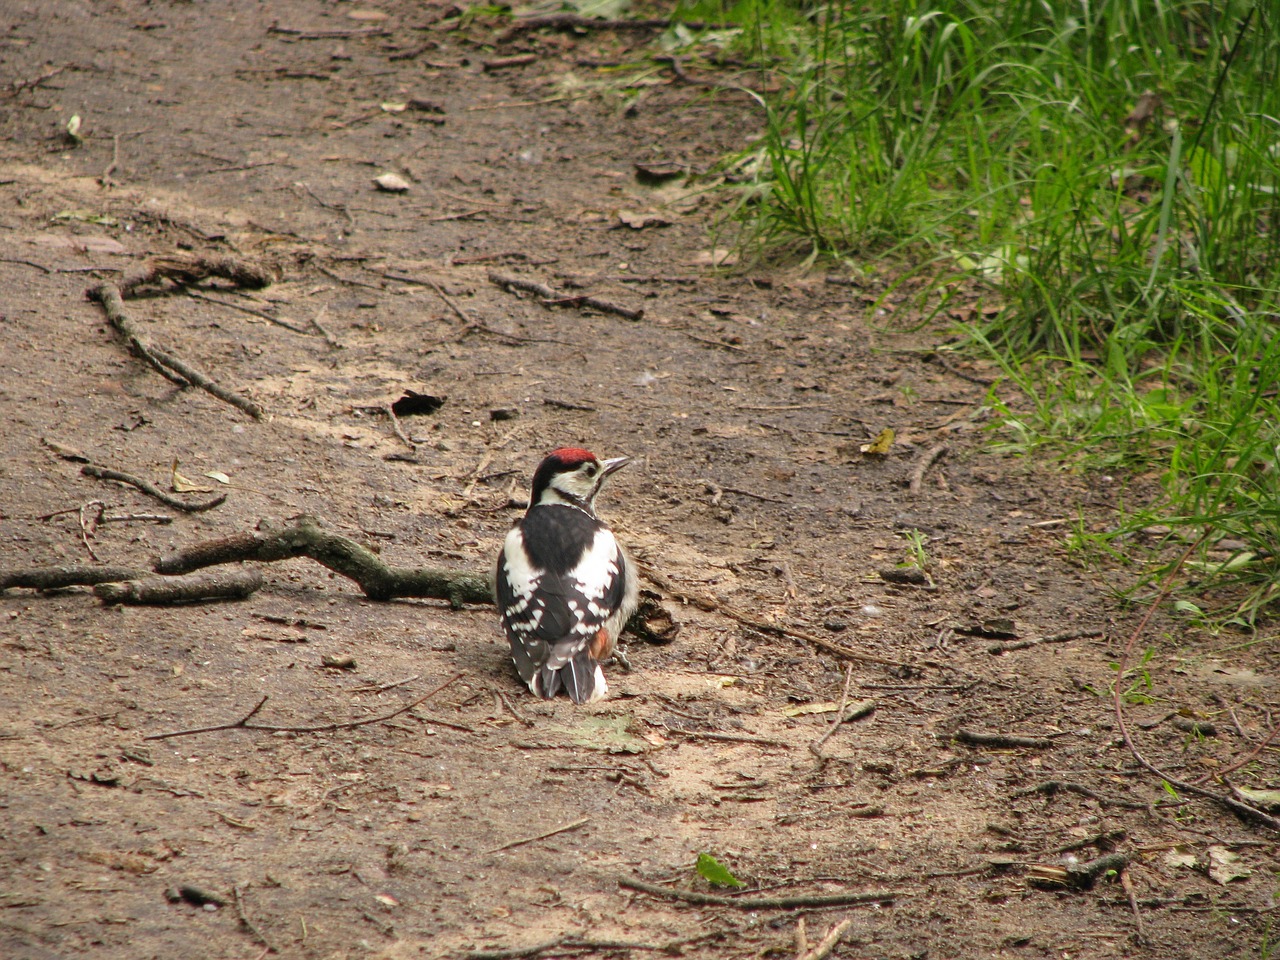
482,823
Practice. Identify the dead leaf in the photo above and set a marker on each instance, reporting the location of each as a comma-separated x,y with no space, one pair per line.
181,484
1181,857
1224,866
638,221
1266,799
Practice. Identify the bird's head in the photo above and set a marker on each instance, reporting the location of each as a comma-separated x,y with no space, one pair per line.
572,475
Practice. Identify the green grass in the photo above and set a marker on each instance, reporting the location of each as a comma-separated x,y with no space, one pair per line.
1106,173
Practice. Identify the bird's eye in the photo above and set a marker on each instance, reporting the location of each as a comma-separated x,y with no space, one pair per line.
591,469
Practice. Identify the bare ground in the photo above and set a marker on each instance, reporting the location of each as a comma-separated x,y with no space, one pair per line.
256,130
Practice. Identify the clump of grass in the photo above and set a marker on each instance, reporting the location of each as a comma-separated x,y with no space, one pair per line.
1109,175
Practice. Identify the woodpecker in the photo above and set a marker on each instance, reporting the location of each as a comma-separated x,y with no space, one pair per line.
564,585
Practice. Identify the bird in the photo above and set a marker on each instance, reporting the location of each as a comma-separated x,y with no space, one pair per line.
564,585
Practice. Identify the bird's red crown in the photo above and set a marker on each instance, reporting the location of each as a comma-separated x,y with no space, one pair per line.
571,456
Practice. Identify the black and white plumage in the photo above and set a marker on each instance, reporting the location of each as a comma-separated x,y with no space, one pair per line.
564,585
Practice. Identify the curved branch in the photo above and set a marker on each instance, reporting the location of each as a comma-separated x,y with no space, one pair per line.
305,538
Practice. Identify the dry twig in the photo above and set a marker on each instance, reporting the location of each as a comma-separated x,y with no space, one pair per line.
551,298
715,606
238,898
1001,740
182,271
997,649
828,943
582,822
575,21
244,723
151,490
816,747
763,903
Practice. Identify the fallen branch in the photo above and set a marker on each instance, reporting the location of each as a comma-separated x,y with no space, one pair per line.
996,649
763,903
182,271
56,578
220,585
151,490
551,298
1001,740
305,538
244,723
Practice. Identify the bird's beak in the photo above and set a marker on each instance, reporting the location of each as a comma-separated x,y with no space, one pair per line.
609,466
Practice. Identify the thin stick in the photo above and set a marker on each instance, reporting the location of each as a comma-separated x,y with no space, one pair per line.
802,939
709,604
244,724
1127,882
816,747
828,943
999,648
763,903
398,428
542,836
151,490
261,314
18,86
1275,731
515,953
329,338
112,300
448,300
551,298
248,924
729,738
471,325
1239,807
85,531
104,179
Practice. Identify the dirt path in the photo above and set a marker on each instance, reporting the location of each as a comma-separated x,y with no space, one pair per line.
256,130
